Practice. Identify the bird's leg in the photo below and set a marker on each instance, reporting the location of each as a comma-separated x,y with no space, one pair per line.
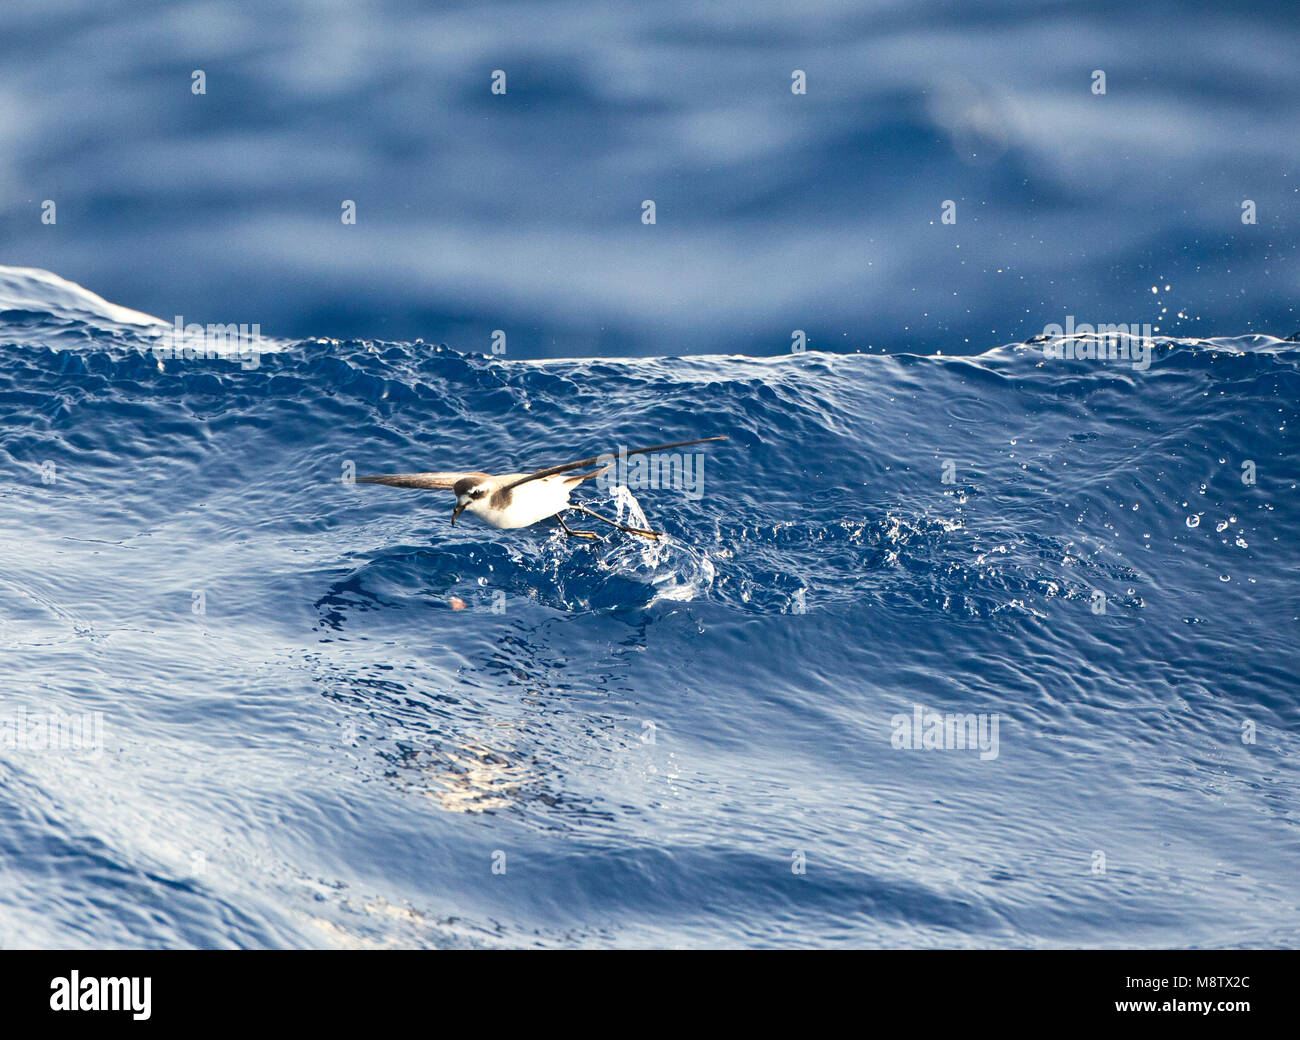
578,534
621,527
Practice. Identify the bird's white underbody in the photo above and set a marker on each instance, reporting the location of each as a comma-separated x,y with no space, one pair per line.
529,503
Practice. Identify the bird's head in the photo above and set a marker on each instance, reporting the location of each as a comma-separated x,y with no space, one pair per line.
468,490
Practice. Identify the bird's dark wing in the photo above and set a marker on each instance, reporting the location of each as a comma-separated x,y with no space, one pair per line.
437,481
551,471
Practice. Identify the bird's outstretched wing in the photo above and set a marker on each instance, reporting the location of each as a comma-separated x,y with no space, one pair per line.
551,471
438,481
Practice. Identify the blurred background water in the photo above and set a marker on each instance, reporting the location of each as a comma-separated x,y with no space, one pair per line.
330,719
774,211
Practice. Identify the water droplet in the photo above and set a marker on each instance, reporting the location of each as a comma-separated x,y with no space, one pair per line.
1194,520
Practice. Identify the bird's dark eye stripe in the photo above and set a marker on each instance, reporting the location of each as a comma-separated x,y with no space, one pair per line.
478,493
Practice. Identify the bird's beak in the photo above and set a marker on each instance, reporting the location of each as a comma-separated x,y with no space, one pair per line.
460,508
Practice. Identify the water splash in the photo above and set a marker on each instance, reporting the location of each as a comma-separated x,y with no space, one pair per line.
677,572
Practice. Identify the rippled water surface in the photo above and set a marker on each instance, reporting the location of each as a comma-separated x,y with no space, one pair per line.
306,743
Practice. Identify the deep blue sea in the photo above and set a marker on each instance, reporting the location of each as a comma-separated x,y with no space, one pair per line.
306,743
306,713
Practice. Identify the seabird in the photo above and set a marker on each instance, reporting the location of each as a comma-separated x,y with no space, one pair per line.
511,500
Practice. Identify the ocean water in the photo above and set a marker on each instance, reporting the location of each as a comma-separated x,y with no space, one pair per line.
320,716
774,211
316,715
